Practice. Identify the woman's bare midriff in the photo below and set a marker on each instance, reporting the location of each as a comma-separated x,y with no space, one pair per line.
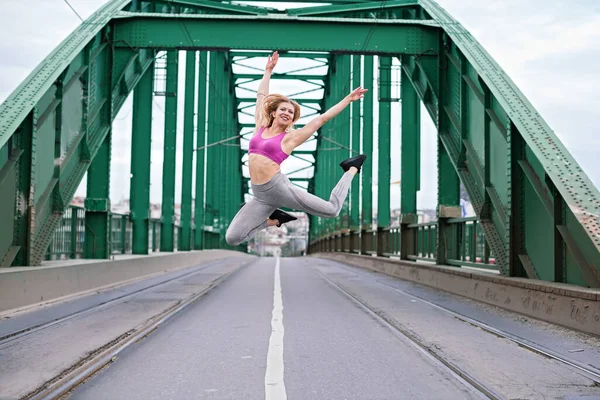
261,169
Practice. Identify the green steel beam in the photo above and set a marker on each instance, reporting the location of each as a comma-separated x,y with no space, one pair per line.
354,8
384,142
168,179
311,1
223,164
141,146
477,108
410,150
188,152
367,144
541,148
97,242
329,156
21,102
22,179
410,162
343,130
299,101
212,156
448,204
75,106
356,123
281,77
199,211
201,5
282,54
165,31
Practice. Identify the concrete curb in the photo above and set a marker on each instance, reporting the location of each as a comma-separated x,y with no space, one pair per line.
26,287
567,305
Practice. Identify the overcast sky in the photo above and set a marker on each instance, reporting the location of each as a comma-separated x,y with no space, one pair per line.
550,48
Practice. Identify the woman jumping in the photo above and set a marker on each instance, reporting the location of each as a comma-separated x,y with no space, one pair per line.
273,141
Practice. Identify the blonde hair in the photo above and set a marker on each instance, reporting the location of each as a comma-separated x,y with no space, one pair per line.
270,104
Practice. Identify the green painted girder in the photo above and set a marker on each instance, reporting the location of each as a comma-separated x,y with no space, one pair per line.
165,31
304,77
24,98
479,108
141,151
316,1
73,96
299,101
282,54
374,6
213,6
519,190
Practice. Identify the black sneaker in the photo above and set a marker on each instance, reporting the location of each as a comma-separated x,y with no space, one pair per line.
282,217
353,162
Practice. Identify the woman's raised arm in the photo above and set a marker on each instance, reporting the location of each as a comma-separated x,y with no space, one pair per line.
263,88
296,138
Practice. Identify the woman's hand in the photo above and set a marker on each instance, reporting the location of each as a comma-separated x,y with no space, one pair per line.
357,93
272,62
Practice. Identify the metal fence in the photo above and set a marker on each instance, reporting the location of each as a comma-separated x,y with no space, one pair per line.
68,238
465,245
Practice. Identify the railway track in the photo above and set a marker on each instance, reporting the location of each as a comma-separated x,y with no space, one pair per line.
474,386
20,333
69,379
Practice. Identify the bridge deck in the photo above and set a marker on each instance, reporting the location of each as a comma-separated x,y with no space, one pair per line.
348,334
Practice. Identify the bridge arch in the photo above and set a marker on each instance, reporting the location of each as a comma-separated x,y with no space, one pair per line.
528,192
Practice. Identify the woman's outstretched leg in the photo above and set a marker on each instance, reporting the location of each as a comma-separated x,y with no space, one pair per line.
251,218
302,200
296,198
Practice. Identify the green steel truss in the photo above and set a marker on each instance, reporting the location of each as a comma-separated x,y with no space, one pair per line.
536,208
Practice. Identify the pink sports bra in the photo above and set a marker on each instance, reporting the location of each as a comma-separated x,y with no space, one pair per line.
270,148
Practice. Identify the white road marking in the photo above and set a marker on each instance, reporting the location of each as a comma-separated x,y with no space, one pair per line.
274,384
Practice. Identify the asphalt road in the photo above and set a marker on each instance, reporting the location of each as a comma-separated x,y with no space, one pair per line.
219,348
284,330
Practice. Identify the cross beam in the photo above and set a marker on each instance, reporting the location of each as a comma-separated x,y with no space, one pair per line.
207,31
281,76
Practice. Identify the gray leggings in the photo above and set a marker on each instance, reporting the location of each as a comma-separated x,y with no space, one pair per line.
280,192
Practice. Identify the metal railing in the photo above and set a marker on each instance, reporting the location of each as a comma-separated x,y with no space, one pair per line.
68,238
464,242
120,233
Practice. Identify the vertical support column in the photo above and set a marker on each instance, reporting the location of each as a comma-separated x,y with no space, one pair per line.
410,161
57,200
332,132
73,235
519,263
230,162
26,139
141,144
448,180
383,178
168,180
123,234
200,141
221,199
188,151
356,122
97,204
343,132
329,223
448,201
367,144
211,152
